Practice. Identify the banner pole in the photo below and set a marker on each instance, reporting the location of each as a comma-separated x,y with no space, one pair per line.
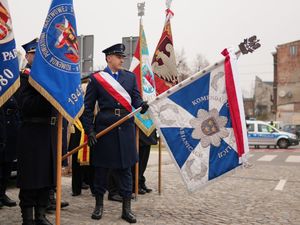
58,169
106,130
136,181
159,165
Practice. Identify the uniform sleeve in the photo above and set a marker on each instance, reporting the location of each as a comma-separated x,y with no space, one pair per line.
89,106
136,96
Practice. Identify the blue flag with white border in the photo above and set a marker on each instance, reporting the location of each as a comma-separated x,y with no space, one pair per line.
195,120
55,71
9,66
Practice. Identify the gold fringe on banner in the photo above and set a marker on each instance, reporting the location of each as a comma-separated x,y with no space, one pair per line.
139,123
13,88
49,97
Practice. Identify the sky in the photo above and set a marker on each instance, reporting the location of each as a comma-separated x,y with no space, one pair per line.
199,27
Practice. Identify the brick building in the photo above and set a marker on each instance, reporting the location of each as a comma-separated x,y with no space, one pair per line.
287,82
263,99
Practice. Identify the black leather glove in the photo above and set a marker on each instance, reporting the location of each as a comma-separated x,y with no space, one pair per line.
145,107
92,140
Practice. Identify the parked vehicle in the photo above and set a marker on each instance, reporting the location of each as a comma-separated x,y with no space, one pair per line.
292,128
261,133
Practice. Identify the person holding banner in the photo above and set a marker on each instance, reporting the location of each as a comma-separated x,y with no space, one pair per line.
116,92
9,126
37,147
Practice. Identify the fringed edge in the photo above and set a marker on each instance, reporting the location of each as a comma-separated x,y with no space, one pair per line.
52,100
146,131
9,92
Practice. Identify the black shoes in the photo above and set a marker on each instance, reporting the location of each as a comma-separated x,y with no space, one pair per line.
98,211
85,186
1,204
148,190
5,200
142,191
115,197
52,205
75,194
127,214
40,218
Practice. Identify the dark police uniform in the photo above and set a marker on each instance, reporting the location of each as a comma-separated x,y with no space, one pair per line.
116,149
36,150
9,125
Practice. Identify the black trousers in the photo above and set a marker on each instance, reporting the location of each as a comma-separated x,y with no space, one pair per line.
113,184
5,170
124,178
34,197
81,174
144,153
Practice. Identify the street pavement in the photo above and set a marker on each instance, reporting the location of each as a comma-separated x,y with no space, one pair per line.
266,193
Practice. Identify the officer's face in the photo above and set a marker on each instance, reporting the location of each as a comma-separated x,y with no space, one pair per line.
29,57
115,62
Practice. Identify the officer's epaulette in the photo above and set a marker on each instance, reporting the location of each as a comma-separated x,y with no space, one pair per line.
25,71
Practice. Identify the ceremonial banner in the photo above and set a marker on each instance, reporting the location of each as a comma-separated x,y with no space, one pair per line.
140,66
202,123
55,71
9,68
164,62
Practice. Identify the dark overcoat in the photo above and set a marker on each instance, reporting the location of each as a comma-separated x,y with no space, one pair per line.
116,149
37,141
9,126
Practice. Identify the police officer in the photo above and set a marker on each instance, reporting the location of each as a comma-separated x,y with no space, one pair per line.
36,150
115,150
9,125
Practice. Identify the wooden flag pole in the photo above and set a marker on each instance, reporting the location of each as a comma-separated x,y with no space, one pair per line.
106,130
159,165
136,181
58,168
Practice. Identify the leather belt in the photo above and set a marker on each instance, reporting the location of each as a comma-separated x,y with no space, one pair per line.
41,120
116,112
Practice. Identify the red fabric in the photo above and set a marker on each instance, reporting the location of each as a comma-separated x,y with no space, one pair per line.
113,92
26,71
137,70
233,104
166,38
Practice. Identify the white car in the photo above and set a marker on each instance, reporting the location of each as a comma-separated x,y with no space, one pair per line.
261,133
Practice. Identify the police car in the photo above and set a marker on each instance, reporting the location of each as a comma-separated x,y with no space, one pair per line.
261,133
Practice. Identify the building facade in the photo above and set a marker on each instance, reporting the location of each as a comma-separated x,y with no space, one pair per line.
287,82
263,100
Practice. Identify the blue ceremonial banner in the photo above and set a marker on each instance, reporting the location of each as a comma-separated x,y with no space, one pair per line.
195,120
9,68
55,71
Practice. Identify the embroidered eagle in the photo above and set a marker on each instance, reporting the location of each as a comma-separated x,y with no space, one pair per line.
167,70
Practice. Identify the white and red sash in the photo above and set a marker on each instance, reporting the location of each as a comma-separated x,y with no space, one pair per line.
115,89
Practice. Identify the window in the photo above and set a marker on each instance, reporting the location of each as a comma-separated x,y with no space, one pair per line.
293,50
264,128
250,127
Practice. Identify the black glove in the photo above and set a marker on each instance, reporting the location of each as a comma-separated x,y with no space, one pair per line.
92,140
145,107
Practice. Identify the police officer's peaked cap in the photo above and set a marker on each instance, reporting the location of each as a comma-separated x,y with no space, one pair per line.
30,47
117,49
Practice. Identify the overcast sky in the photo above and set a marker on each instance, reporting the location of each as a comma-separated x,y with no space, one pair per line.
205,27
